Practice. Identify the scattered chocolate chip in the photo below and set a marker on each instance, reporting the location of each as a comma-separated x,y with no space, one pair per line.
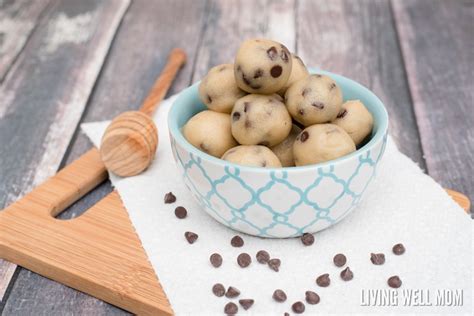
216,260
286,314
231,309
398,249
276,71
312,298
246,106
246,303
209,99
304,136
169,198
318,105
307,239
347,274
232,292
279,296
262,256
235,116
237,241
298,307
191,237
342,113
272,53
323,280
274,264
244,260
394,282
180,212
377,258
258,73
339,260
218,289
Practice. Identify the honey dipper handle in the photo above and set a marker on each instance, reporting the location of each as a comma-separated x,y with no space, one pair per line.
176,59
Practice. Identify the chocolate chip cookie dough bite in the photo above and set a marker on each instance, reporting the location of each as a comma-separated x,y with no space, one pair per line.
284,150
260,120
356,120
321,142
262,66
298,72
218,89
210,132
313,100
254,156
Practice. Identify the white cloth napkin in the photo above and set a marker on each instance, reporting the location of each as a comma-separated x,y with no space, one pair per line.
402,205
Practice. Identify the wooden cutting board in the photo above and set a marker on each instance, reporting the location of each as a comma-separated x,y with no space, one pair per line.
98,253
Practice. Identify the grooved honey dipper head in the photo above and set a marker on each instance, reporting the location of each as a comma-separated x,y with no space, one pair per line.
129,144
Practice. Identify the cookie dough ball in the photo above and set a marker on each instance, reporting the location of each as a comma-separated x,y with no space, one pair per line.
298,72
260,120
313,100
321,142
356,120
262,66
284,150
218,89
254,156
210,132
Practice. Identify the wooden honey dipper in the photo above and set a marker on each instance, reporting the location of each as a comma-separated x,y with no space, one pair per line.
130,141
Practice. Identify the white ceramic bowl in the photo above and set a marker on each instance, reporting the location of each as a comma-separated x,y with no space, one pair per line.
278,202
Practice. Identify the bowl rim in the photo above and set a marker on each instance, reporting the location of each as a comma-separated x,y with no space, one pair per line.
175,131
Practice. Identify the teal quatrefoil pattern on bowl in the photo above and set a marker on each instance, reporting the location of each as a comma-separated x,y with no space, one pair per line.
278,203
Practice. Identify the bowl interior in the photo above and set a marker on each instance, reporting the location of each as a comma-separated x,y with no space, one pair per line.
188,104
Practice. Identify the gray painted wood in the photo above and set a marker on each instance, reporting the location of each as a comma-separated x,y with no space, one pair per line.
46,90
438,44
142,43
358,40
17,21
230,22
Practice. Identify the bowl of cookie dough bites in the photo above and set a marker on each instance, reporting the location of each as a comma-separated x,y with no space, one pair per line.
273,149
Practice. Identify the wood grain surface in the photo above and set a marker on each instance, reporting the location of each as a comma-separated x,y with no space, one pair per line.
403,50
438,45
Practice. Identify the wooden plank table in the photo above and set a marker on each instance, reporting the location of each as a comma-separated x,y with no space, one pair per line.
63,62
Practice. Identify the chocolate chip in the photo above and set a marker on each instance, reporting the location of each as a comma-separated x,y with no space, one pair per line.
377,258
237,241
246,106
318,105
216,260
191,237
323,280
169,198
398,249
394,282
284,55
304,136
339,260
209,99
301,112
307,239
276,71
298,307
262,256
231,309
305,91
332,86
286,314
317,76
218,289
246,303
274,264
235,116
342,113
279,296
272,53
180,212
232,292
244,260
347,274
258,73
263,163
312,298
